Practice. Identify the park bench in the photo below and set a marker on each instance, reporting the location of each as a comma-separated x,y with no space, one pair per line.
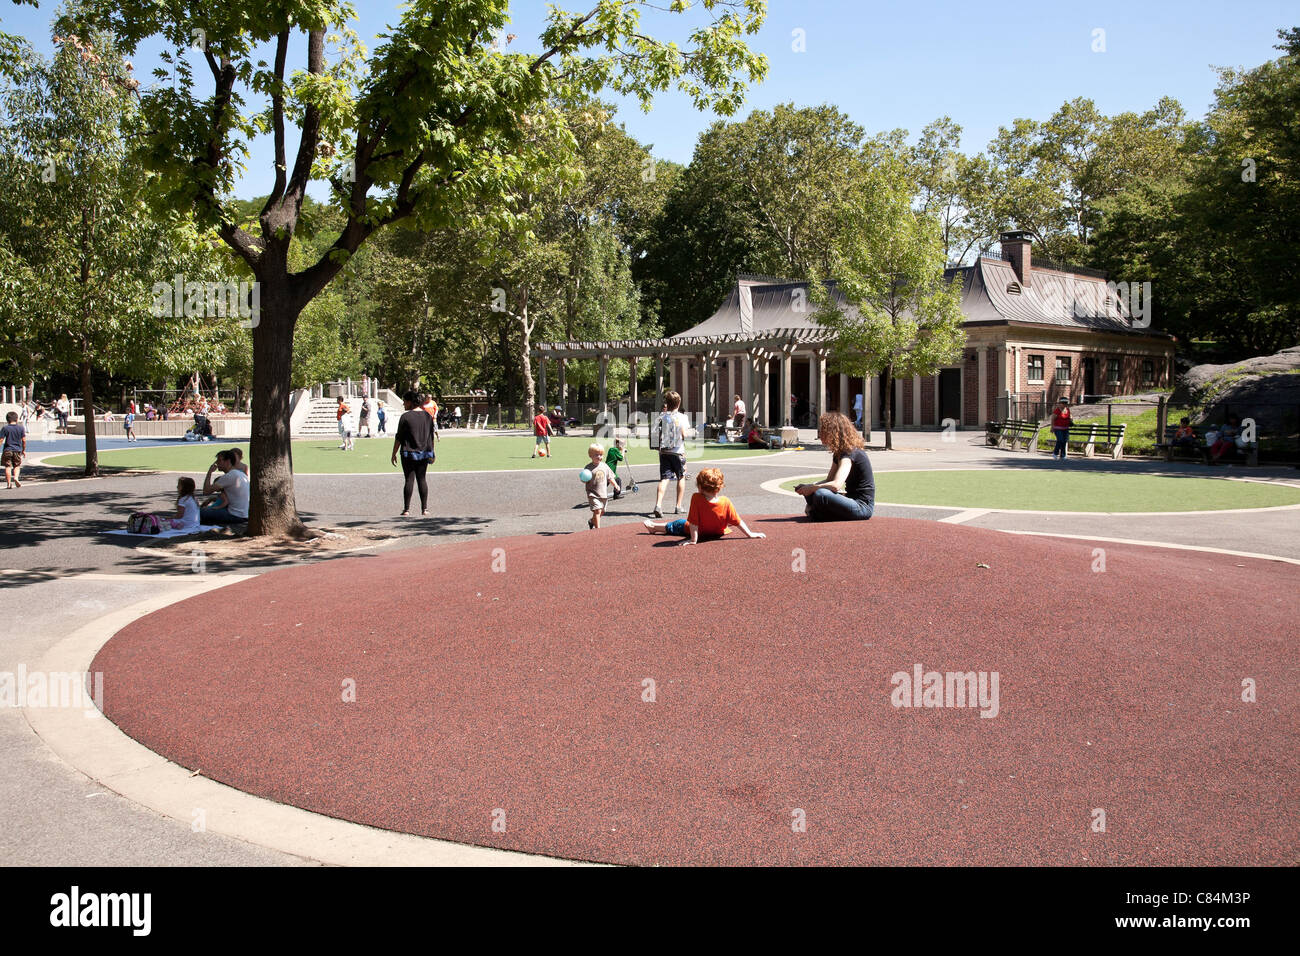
1007,434
1248,456
1092,434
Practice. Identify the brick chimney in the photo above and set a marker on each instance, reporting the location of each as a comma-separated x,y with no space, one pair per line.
1016,248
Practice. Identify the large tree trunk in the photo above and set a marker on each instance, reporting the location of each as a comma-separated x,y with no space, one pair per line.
525,362
88,412
273,508
887,406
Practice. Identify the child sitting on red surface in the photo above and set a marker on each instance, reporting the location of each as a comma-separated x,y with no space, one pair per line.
711,514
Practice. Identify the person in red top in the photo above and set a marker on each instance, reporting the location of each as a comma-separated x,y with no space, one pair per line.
711,514
345,425
1061,422
541,433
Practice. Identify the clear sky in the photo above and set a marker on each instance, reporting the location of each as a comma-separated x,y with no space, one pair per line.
902,64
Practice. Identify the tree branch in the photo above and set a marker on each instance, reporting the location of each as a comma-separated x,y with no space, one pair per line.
311,122
277,114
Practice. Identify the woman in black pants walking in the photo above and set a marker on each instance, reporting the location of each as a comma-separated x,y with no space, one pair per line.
414,442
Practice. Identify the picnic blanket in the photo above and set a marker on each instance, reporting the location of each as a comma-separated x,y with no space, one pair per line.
169,533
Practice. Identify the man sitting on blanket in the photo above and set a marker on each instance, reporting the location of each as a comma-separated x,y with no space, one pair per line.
230,490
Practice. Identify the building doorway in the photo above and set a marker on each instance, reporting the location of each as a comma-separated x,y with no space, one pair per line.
950,394
1089,378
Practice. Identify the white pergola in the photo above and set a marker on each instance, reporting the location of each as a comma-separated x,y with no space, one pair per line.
748,357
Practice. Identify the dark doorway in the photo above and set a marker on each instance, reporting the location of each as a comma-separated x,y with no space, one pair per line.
950,394
1089,377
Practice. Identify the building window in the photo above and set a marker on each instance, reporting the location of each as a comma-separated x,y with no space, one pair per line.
1036,368
1063,370
1112,372
1148,372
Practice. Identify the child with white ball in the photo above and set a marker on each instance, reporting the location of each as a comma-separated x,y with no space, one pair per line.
599,480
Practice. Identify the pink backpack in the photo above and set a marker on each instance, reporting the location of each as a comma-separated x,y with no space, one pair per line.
142,522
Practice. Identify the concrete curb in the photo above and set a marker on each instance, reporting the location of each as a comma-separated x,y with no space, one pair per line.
94,746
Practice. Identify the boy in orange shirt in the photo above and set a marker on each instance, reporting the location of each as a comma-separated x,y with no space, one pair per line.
711,514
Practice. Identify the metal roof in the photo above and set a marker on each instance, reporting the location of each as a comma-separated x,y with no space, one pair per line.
780,311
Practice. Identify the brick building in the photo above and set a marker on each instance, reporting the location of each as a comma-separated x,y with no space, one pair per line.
1035,331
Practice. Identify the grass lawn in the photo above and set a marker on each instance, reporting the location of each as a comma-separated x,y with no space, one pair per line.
456,453
1063,490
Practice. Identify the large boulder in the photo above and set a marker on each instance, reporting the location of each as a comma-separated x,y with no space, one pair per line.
1198,377
1266,388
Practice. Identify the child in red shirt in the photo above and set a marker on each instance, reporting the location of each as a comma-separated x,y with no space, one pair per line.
711,514
541,433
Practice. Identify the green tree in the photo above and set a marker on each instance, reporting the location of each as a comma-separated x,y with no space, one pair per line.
890,307
442,118
1242,214
81,251
758,196
1208,212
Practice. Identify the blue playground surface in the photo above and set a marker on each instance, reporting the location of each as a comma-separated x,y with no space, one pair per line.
72,444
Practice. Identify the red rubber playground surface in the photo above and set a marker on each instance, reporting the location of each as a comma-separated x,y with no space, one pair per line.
523,690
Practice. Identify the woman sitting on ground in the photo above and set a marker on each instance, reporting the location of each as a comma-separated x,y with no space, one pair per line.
848,491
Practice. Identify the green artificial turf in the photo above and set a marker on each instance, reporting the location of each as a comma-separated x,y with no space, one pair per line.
1065,490
456,453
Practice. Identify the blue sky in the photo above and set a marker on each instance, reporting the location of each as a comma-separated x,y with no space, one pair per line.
902,64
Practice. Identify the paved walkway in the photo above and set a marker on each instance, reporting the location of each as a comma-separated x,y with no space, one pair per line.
51,814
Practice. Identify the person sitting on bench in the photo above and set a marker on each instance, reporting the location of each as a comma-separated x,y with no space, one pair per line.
1227,438
1185,437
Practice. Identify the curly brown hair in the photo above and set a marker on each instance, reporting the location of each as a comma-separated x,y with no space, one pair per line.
709,480
838,434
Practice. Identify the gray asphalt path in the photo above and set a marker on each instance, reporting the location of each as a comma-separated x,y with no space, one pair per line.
51,815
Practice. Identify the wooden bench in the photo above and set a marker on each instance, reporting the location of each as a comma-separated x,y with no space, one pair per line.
1092,434
1009,433
1248,456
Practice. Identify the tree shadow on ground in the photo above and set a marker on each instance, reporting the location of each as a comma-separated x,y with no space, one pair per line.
78,517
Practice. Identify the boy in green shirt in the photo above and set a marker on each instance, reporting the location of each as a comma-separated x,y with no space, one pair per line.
617,453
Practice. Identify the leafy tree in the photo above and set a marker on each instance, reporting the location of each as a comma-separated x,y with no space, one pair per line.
703,235
81,252
1242,213
949,185
1208,212
441,119
758,196
890,308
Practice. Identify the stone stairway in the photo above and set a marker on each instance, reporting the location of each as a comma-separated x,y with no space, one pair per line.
322,420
